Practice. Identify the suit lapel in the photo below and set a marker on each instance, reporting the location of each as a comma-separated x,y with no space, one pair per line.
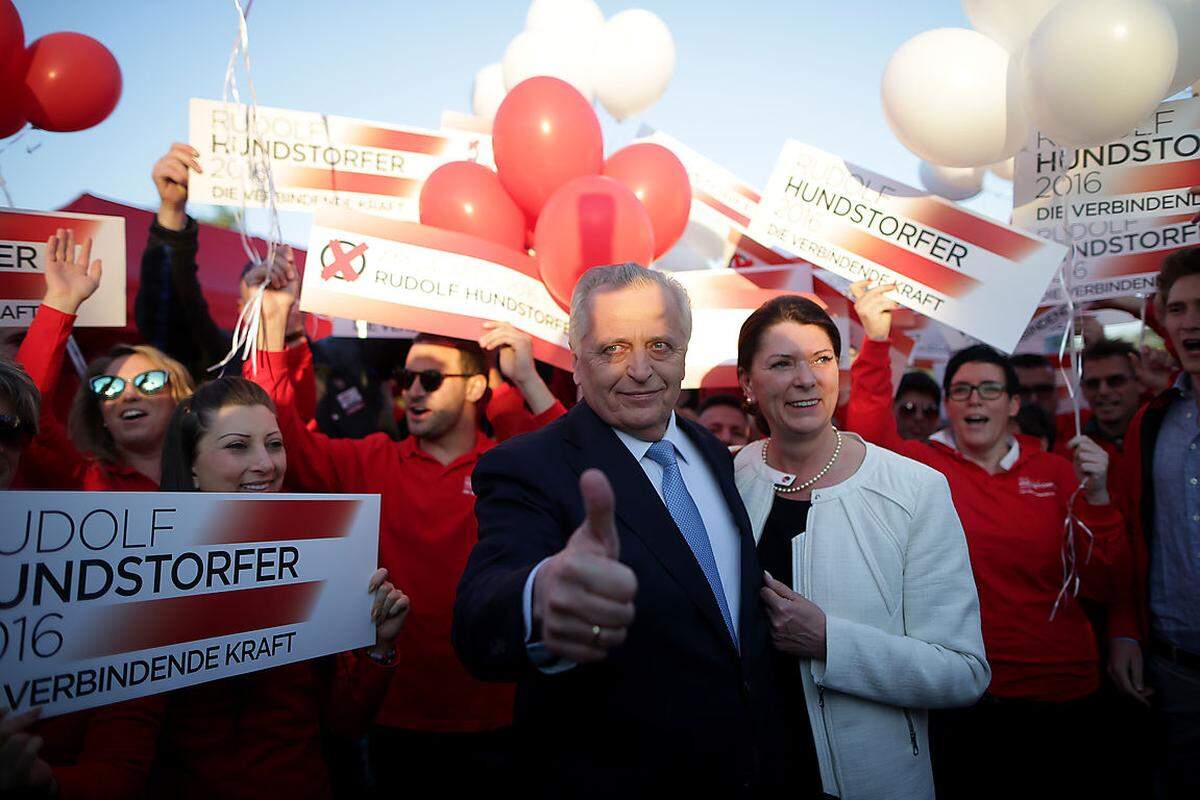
640,509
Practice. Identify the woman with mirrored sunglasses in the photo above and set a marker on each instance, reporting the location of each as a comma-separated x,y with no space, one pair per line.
1039,716
113,440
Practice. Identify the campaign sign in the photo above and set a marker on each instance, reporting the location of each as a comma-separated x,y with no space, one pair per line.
23,236
407,275
1124,206
319,160
960,268
108,596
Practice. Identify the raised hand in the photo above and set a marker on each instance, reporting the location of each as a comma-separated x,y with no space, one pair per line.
516,362
389,609
874,308
1091,464
70,278
583,596
170,175
278,300
797,624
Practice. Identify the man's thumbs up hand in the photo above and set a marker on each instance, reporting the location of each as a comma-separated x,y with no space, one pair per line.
583,596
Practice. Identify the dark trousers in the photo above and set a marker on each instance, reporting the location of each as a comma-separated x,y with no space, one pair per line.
1018,748
446,765
1176,705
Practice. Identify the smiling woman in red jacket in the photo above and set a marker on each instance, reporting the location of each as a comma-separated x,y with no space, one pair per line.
260,734
1012,497
121,412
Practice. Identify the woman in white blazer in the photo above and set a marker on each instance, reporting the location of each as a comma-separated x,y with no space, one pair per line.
873,608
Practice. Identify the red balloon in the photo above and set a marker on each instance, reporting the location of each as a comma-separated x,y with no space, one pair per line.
12,32
590,222
72,82
467,197
12,94
545,133
657,177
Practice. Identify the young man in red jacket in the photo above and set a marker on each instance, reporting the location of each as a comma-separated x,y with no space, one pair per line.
1160,616
438,728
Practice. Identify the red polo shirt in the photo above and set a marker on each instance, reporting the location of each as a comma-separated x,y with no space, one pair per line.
426,531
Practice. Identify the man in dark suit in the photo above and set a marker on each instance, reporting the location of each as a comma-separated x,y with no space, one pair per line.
616,578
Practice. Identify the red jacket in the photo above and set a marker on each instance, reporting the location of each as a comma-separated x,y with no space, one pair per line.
51,461
427,530
1013,521
259,735
103,753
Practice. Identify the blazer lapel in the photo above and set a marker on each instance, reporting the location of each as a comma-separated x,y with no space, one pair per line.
640,509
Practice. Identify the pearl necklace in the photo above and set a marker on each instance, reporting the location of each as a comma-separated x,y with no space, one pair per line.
799,487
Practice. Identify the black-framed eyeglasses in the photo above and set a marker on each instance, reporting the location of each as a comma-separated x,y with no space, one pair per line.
1113,381
988,390
431,379
13,432
911,409
149,383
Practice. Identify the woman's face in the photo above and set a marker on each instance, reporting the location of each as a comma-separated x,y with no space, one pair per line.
136,421
794,379
242,451
979,425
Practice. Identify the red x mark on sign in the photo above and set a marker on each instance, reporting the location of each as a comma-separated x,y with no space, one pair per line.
341,261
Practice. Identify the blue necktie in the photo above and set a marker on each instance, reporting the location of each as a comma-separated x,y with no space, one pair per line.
687,517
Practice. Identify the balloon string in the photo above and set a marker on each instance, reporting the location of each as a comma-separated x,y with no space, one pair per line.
258,173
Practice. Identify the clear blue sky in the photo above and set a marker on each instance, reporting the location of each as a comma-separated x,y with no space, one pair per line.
748,75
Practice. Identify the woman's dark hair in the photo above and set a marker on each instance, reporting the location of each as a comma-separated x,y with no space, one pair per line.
982,354
192,417
785,308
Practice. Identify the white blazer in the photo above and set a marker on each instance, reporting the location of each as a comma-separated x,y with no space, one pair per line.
884,556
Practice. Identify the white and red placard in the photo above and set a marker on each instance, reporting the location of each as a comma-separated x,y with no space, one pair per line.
23,236
108,596
320,161
960,268
722,204
407,275
1124,206
721,302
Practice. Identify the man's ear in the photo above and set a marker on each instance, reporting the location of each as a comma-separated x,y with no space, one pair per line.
574,367
476,386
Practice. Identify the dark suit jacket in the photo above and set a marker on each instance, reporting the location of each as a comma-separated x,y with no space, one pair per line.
676,706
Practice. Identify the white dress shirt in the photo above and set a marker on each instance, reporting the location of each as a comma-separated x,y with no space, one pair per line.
719,522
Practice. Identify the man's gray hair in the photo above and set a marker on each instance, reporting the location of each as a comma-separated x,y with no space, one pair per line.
21,393
622,276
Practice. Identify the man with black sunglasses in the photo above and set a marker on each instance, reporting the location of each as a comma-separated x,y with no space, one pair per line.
917,406
1111,388
438,728
19,404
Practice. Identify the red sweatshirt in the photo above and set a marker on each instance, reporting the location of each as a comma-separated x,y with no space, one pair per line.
1013,521
51,461
103,753
427,530
259,735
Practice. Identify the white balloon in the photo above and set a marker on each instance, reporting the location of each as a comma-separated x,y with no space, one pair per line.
951,96
554,53
489,91
635,59
1094,69
1009,22
577,16
1186,15
1003,169
952,183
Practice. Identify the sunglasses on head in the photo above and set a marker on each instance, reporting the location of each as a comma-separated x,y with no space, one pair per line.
1114,381
430,379
149,383
13,432
911,409
988,390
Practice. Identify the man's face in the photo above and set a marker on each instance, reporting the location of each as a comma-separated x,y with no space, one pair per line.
727,423
1111,389
431,414
1037,386
630,364
917,415
1181,317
